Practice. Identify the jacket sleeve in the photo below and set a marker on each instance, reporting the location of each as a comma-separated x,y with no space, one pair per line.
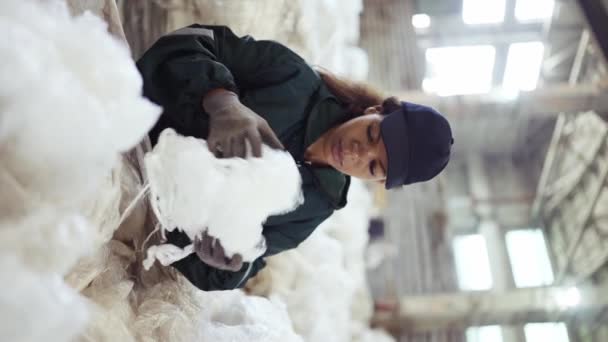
186,64
281,232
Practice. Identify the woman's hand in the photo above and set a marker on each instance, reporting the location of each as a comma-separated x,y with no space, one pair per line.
232,125
211,252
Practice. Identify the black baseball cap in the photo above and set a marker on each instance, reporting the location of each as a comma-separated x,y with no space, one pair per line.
418,142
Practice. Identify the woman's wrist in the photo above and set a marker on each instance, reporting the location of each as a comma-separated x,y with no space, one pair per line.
219,99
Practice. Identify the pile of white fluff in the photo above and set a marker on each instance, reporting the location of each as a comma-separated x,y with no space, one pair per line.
166,307
332,40
70,93
193,191
70,103
323,280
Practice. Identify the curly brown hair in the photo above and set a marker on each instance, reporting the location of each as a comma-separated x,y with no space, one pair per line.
356,96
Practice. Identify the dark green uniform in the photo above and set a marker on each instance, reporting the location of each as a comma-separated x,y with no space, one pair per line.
276,84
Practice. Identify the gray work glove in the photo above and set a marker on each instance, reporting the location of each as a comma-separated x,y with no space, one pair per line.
211,252
232,125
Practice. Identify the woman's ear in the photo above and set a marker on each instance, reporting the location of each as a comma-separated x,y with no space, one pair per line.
373,110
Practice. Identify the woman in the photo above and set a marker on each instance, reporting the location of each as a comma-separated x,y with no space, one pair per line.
332,128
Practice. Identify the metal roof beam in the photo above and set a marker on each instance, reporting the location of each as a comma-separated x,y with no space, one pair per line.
597,17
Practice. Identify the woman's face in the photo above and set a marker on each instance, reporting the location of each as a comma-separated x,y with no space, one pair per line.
356,147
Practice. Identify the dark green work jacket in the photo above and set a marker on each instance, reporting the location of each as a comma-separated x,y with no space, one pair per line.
276,84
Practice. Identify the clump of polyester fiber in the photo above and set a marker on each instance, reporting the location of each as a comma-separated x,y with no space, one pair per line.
230,198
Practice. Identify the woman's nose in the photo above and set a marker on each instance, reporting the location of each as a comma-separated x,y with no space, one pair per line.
361,151
356,150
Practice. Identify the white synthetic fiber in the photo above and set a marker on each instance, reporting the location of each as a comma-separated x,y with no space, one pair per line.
166,307
36,250
237,317
323,280
166,254
176,311
45,240
110,291
374,335
70,103
192,191
37,306
71,93
332,40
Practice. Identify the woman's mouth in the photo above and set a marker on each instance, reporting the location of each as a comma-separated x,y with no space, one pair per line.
337,153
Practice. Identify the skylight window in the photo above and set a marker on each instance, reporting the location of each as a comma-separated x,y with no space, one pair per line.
472,263
554,332
529,258
533,10
421,21
490,333
459,70
475,12
524,62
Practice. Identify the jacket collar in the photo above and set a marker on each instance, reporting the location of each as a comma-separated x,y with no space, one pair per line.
325,114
